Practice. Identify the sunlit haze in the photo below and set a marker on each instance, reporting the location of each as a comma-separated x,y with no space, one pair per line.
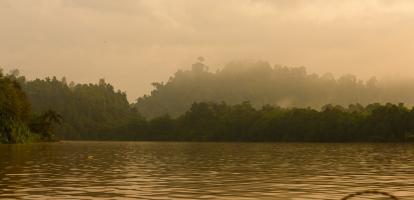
132,43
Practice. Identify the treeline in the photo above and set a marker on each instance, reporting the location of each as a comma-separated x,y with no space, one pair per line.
17,123
242,102
263,84
89,111
242,122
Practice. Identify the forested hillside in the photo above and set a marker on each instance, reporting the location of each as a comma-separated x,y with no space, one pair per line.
263,84
90,111
241,102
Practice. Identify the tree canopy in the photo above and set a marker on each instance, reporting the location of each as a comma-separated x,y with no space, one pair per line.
241,102
262,84
89,111
209,121
16,117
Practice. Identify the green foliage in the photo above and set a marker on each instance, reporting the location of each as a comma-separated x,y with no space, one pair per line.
17,123
242,102
14,111
13,101
44,124
221,122
18,132
89,111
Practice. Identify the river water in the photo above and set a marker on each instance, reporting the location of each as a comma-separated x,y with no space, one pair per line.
163,170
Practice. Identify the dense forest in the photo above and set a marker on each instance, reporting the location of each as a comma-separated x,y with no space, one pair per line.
89,111
242,122
17,123
241,102
262,84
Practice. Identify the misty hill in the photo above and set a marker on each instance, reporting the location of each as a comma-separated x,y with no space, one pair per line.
263,84
98,112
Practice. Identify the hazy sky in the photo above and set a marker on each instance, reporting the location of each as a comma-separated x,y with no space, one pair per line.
132,43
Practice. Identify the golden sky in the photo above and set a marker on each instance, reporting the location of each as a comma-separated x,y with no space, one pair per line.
132,43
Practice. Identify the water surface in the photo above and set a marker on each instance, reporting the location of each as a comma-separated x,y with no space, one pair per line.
161,170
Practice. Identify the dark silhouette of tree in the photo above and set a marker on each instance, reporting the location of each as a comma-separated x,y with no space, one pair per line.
209,121
44,124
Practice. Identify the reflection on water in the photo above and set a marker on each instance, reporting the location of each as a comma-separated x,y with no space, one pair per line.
156,170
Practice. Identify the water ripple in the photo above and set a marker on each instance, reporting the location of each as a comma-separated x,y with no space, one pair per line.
160,170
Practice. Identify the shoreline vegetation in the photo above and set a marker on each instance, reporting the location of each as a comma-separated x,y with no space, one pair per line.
243,102
18,124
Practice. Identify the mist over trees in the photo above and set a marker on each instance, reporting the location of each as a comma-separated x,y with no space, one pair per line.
241,102
263,84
